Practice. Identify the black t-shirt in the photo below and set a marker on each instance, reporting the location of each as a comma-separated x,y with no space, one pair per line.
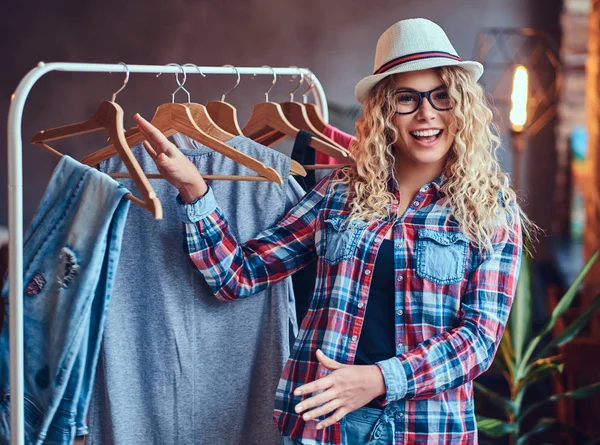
377,338
304,280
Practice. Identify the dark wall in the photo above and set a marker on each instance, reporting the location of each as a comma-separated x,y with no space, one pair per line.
335,39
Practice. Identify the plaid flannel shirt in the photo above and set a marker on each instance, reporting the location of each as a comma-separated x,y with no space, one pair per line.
452,301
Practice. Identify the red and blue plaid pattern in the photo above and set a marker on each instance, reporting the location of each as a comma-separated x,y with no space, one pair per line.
447,330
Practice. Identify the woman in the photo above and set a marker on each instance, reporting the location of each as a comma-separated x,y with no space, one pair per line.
418,248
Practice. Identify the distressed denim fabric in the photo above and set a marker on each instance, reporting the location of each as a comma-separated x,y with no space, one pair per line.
70,255
370,426
364,426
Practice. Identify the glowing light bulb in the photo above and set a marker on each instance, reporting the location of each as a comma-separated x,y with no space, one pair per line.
518,112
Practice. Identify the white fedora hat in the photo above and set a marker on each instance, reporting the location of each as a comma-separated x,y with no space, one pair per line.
412,45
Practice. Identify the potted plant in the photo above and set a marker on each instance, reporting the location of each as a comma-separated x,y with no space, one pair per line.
523,361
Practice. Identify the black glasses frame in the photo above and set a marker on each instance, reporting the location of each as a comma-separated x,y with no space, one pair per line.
425,94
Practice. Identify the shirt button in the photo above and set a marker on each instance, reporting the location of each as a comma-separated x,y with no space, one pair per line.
368,272
425,188
354,338
360,305
400,278
400,312
400,346
416,203
401,415
398,245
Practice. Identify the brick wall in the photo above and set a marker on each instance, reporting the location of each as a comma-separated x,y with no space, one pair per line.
592,195
580,106
571,110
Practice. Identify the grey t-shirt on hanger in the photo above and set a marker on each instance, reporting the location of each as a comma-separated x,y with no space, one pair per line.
178,366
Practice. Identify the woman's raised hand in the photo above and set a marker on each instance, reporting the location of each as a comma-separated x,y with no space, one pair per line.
171,163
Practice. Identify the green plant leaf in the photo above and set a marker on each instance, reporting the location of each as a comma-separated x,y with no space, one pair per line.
542,425
572,330
501,402
552,359
494,427
579,393
567,299
519,322
537,373
505,359
564,303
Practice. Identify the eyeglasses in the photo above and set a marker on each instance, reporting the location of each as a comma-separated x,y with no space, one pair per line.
408,101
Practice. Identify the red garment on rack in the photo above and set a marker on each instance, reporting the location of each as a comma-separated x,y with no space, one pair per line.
3,270
338,136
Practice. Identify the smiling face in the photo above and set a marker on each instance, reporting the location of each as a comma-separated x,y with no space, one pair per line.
425,136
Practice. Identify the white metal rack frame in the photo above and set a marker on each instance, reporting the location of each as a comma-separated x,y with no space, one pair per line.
15,194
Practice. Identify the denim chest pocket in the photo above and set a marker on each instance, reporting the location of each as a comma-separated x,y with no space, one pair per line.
341,238
441,256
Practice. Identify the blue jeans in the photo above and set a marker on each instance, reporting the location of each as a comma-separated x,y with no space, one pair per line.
70,256
364,426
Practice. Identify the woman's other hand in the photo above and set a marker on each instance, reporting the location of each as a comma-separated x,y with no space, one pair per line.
346,389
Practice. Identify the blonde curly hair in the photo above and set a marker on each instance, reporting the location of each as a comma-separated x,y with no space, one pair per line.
477,192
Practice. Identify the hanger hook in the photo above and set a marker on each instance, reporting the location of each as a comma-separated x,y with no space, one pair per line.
308,90
176,74
236,84
299,85
179,83
273,84
193,65
114,96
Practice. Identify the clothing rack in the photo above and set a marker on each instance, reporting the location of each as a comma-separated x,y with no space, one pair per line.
15,194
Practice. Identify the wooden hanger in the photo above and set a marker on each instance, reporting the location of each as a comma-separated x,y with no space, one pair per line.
267,120
223,113
312,111
225,116
226,119
194,123
315,117
296,113
174,118
198,115
108,116
268,124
